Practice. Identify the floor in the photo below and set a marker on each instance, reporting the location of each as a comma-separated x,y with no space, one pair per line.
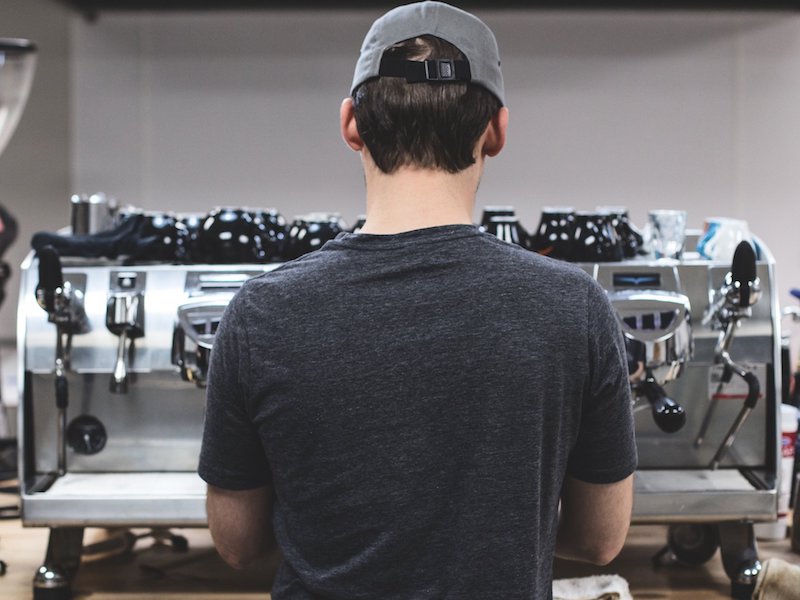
155,570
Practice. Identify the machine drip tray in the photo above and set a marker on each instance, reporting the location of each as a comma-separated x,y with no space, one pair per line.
680,496
119,499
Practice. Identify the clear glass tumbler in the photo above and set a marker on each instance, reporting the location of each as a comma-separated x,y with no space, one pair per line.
668,229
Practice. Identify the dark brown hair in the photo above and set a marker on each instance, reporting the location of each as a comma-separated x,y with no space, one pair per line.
429,125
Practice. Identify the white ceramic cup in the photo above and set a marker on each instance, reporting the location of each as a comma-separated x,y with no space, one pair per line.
721,236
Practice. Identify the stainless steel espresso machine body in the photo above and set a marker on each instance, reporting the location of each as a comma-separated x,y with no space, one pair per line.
113,354
703,343
113,360
677,479
126,454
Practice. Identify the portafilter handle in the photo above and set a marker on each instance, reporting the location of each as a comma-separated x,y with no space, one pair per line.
59,298
51,279
668,414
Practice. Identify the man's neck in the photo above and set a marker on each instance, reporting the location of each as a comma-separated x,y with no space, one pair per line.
413,198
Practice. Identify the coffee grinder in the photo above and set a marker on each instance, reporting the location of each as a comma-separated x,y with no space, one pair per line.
17,64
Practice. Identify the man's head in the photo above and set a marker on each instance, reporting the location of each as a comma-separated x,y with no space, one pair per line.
426,86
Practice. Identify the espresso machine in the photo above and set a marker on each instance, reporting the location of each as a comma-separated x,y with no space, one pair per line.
703,341
115,330
113,359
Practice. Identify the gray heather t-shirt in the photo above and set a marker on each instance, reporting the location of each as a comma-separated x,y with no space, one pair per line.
415,401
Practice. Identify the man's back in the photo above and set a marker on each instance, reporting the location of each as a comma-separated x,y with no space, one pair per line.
419,398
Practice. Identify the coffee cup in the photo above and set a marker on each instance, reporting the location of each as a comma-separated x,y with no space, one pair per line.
721,236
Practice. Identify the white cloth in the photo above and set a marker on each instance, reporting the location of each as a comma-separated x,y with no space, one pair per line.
778,580
596,587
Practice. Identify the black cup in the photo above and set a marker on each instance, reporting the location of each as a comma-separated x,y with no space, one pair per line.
226,236
595,239
268,235
157,237
554,236
188,226
495,211
310,232
491,212
630,237
507,229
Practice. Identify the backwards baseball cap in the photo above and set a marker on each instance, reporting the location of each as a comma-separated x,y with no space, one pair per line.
465,31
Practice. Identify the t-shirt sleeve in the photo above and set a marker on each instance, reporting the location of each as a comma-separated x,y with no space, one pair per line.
605,449
231,456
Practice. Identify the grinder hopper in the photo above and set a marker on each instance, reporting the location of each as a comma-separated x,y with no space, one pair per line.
17,64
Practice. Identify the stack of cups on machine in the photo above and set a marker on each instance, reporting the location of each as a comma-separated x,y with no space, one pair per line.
603,235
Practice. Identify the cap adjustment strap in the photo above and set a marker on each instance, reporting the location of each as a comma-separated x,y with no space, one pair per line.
417,71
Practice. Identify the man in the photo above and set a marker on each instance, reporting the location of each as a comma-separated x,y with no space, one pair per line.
404,408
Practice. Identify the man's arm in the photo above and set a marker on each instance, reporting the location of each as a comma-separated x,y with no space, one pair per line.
594,520
240,523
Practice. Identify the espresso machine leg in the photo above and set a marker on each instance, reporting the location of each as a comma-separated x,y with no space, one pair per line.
53,580
740,557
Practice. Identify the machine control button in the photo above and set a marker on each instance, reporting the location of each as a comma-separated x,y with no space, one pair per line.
126,281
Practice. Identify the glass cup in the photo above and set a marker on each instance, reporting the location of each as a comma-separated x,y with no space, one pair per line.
668,229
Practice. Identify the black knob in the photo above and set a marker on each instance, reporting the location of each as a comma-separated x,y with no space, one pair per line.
86,435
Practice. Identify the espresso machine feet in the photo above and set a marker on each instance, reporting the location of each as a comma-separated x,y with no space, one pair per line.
53,580
740,557
51,583
691,545
123,541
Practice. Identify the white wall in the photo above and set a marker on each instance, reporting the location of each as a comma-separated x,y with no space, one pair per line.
648,109
35,168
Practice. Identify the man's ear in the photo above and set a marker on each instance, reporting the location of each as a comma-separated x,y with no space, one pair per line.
347,124
496,133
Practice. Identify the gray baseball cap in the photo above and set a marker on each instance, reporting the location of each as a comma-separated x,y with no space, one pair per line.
462,29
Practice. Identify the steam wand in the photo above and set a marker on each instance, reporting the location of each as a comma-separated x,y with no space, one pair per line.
64,306
740,290
124,318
